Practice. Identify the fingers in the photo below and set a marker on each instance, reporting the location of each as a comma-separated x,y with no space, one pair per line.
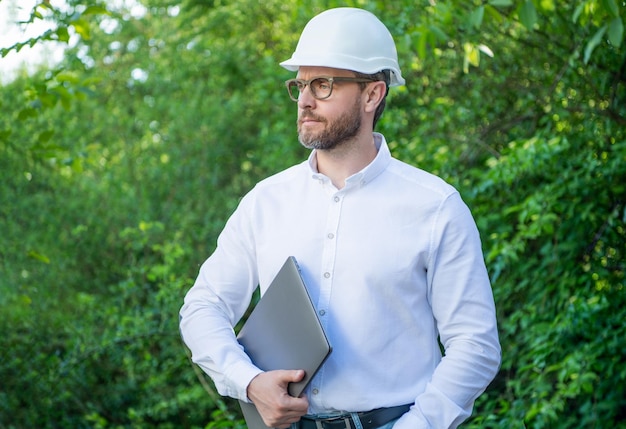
268,392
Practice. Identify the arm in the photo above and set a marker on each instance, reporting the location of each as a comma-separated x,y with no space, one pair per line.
216,302
463,307
207,319
213,306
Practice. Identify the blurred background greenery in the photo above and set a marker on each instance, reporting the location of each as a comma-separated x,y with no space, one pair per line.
120,164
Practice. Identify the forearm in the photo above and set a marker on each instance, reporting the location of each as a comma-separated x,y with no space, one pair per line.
464,310
461,376
214,347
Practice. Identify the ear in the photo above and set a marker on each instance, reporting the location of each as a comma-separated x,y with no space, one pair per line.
373,95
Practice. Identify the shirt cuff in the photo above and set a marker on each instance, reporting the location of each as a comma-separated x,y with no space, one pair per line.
240,376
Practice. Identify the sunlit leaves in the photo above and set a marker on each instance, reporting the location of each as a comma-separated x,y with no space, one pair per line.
78,21
606,17
472,56
95,10
81,27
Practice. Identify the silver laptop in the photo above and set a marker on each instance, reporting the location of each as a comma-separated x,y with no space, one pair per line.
284,332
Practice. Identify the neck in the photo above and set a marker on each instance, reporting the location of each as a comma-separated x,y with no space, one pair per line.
346,159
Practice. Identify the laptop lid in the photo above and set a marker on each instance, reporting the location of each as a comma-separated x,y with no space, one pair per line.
284,332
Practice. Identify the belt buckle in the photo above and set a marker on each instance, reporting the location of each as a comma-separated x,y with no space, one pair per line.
346,422
319,424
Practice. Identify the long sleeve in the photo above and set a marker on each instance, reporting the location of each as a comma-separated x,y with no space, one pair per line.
464,311
214,305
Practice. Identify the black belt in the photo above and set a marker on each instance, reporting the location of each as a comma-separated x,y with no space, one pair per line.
369,419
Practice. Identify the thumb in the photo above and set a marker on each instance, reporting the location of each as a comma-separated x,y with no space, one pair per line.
294,375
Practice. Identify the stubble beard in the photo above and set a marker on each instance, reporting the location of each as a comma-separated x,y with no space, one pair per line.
337,131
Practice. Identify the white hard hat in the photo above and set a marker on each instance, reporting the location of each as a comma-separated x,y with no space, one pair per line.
347,38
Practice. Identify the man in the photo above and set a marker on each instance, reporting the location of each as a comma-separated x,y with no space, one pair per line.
391,255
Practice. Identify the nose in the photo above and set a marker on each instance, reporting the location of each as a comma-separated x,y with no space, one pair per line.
306,99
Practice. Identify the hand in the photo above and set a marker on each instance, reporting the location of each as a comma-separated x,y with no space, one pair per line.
268,392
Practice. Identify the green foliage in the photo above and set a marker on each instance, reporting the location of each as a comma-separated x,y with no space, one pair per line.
120,167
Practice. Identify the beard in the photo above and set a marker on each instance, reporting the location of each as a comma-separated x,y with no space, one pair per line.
335,132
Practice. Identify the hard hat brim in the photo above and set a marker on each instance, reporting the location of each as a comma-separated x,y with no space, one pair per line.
371,66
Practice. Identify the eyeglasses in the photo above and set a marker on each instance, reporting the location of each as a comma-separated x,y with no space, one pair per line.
320,87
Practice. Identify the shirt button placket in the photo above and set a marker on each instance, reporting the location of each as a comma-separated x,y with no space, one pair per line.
328,256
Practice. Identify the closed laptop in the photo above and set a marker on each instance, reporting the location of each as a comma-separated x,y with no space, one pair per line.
284,332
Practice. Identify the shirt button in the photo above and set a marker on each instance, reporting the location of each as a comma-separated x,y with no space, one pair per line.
326,275
322,312
336,199
331,235
316,391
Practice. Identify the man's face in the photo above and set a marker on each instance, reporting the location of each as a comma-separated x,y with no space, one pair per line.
325,124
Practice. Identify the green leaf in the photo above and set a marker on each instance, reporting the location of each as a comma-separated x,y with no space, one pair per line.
616,32
420,45
26,113
494,14
82,28
595,41
528,14
67,76
45,136
611,7
438,32
577,12
38,256
501,3
476,17
96,10
62,34
25,299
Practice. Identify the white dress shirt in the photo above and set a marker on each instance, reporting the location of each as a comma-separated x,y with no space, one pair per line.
394,265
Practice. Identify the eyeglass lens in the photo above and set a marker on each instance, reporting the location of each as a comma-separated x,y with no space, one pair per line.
320,88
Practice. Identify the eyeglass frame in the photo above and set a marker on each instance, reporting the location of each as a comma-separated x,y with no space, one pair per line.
331,80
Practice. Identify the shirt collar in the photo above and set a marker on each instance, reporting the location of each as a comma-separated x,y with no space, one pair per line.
367,174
